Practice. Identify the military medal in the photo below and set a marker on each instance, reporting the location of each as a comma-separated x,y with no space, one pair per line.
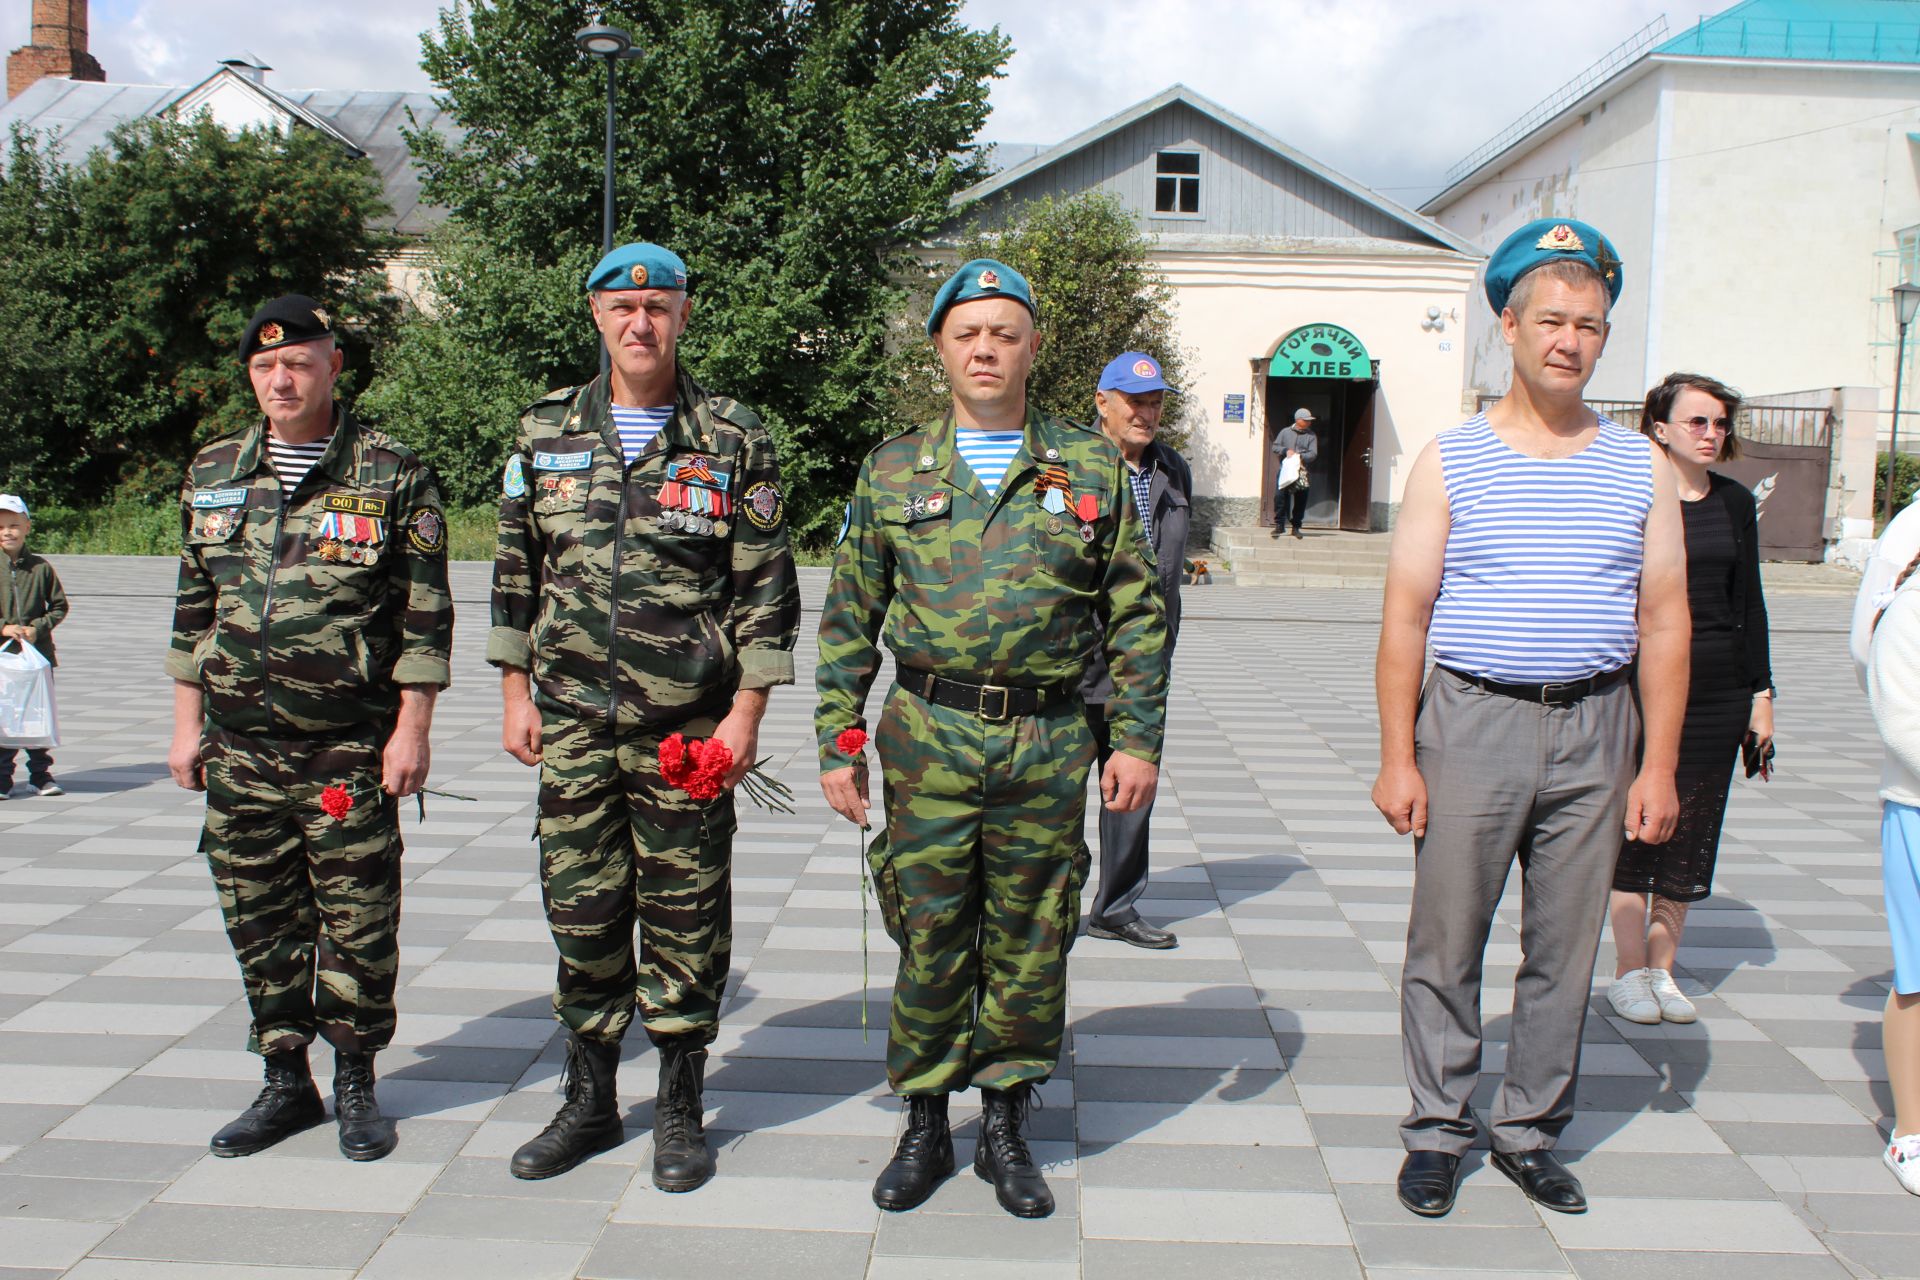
915,507
1053,502
1086,533
1087,508
695,495
1054,525
936,503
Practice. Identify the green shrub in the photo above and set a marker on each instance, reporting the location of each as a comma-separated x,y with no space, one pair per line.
1907,480
125,528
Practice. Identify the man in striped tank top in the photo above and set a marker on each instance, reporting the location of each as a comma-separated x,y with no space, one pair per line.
1538,553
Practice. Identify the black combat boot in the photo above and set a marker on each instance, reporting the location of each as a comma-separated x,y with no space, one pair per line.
681,1161
364,1133
587,1122
1002,1158
289,1103
924,1158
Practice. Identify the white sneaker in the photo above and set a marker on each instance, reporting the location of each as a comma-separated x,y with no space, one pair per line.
1674,1007
1631,996
1902,1156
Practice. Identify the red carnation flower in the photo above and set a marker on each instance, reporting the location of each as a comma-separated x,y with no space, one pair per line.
712,759
336,802
675,768
851,741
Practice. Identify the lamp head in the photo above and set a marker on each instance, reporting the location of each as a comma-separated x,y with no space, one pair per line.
1906,301
603,41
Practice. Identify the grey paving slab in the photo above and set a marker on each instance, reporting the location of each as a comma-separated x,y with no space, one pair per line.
1224,1109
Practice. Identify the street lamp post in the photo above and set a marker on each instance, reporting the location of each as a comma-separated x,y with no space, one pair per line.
1906,301
612,44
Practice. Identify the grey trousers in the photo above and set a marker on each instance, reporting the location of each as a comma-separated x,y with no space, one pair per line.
1508,779
1123,843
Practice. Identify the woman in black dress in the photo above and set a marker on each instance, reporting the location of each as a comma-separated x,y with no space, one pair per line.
1729,694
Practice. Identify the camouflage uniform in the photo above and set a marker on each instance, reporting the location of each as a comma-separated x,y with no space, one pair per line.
981,865
300,615
637,618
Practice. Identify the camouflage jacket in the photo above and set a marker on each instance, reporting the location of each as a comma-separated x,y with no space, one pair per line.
648,594
300,614
995,590
31,596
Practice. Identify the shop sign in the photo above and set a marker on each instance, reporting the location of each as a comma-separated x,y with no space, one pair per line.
1321,351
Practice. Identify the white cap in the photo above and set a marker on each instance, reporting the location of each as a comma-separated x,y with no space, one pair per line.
1301,415
15,504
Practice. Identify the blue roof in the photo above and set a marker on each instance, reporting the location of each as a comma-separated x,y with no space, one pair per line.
1807,31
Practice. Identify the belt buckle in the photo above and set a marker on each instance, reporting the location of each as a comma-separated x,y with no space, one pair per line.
1559,694
1006,702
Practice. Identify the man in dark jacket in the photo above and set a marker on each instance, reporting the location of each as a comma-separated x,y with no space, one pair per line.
1130,399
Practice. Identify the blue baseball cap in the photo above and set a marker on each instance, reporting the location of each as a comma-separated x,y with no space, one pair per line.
1547,240
1132,372
638,266
981,278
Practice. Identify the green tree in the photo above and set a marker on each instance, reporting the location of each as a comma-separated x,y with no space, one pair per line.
1099,292
137,268
787,149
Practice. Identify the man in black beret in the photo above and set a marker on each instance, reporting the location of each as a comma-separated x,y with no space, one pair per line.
311,633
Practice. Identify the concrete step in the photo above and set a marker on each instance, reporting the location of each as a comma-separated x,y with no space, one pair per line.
1306,581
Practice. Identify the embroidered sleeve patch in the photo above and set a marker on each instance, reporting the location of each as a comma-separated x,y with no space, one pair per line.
513,482
763,506
427,531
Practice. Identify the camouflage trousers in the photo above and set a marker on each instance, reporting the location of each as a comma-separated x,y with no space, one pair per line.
979,876
311,904
620,848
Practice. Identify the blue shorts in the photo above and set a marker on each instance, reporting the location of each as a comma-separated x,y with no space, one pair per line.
1900,872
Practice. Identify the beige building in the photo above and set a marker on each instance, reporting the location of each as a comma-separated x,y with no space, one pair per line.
1757,173
1295,287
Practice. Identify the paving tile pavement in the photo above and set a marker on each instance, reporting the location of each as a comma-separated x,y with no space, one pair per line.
1226,1109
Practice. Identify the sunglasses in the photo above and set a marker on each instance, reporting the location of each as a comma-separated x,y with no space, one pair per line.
1700,426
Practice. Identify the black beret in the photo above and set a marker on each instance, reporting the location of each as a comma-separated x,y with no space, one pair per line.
283,322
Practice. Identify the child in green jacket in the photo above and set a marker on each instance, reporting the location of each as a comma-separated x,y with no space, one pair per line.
32,604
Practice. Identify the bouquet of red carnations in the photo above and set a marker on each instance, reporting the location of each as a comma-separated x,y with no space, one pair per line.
699,768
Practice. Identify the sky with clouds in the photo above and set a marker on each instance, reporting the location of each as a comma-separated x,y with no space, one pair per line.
1390,92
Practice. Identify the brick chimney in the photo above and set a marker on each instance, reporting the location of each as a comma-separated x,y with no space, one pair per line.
58,47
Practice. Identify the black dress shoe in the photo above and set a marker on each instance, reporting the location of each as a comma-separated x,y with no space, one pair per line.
1545,1180
1429,1180
364,1133
289,1103
1137,932
922,1161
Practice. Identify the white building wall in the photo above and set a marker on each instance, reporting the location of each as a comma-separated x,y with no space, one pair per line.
1234,309
1598,168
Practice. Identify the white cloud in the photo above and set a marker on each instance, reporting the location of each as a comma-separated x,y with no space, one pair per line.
1388,91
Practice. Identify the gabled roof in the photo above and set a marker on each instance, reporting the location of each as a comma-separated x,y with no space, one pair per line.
227,77
1181,94
80,114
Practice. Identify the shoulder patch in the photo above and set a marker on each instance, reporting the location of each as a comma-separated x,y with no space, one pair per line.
763,506
513,481
427,531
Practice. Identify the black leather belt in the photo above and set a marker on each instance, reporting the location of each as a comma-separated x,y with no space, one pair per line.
1561,694
988,701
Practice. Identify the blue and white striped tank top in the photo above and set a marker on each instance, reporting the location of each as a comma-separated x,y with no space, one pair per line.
1542,576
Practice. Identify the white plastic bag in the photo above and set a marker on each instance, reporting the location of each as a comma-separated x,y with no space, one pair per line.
27,717
1290,474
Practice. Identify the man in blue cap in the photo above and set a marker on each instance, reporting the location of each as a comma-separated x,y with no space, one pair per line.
1538,552
642,589
1129,403
995,547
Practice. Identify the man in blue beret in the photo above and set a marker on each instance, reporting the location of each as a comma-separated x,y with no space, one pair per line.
995,548
643,596
1538,553
1129,402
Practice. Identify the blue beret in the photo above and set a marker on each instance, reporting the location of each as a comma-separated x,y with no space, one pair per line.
284,322
1547,240
638,266
981,278
1132,372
